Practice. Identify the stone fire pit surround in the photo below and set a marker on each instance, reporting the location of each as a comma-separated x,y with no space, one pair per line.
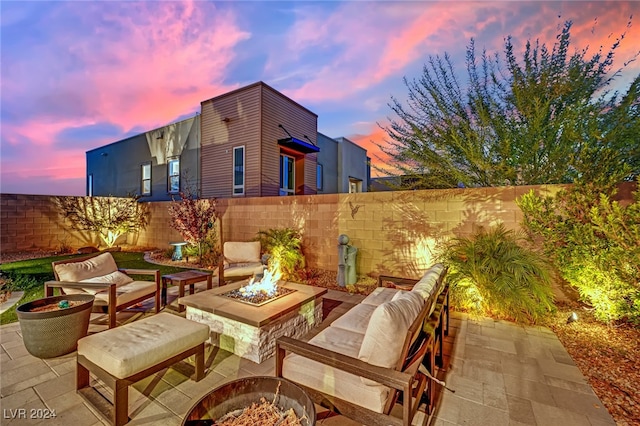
251,331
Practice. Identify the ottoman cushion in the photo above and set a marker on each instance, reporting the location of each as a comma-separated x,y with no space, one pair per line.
134,347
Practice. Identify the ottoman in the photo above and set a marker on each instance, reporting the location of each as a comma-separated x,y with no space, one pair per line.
124,355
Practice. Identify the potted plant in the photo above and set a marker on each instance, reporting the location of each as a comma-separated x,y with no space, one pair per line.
52,326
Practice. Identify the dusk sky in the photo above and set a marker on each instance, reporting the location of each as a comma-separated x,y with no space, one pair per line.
76,75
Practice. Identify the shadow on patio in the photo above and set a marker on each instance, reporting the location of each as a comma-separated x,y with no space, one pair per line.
502,374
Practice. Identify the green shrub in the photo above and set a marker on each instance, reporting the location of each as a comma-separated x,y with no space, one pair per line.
491,273
594,242
284,246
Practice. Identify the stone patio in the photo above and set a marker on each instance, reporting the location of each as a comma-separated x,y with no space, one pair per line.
502,374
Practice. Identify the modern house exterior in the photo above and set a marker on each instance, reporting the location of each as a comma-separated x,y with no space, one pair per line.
343,166
250,142
155,164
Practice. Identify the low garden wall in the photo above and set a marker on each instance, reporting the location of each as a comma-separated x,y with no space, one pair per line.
396,232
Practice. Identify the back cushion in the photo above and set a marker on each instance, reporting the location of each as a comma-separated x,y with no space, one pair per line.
427,284
242,252
97,266
387,329
116,277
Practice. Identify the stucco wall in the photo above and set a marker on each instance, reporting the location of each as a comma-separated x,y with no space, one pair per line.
395,232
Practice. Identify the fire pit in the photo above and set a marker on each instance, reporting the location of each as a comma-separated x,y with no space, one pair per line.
248,329
258,298
241,393
265,290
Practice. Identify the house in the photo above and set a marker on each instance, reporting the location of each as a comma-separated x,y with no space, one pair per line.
343,166
250,142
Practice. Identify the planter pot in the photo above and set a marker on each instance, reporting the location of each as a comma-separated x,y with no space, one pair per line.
240,393
54,333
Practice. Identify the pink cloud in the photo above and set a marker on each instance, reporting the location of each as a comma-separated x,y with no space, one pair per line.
369,140
381,40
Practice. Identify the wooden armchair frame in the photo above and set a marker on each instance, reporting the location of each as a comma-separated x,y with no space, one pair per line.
405,379
112,307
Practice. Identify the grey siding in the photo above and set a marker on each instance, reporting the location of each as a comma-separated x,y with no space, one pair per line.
116,168
328,157
219,137
352,162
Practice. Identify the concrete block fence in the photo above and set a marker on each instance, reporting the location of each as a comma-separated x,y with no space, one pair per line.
396,232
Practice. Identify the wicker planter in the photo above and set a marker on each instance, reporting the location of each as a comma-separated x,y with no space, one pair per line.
240,393
54,333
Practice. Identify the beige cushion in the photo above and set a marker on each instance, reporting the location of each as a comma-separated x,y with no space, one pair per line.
380,295
388,326
355,319
427,284
242,252
333,381
243,269
133,347
127,292
97,266
116,277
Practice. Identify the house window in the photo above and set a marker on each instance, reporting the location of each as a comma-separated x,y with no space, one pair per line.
287,175
238,170
90,185
173,173
355,185
145,184
319,177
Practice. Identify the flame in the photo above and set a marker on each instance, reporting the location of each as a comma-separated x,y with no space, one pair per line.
267,285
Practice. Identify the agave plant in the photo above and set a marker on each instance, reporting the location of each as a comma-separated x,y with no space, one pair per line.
284,246
493,273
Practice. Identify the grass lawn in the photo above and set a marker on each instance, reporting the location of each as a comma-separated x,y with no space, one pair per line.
30,275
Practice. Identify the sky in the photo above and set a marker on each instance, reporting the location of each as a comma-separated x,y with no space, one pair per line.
76,75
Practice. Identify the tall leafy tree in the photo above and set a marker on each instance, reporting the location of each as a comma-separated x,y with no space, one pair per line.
546,117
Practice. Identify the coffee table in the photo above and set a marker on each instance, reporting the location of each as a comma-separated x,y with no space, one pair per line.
183,279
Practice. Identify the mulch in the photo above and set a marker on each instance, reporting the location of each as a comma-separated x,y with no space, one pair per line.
608,355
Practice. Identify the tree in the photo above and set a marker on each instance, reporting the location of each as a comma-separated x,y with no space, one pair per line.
194,218
109,217
545,119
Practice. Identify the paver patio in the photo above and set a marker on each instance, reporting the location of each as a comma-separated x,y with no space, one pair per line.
502,374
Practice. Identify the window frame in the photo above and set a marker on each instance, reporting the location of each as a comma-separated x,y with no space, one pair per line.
170,160
355,183
238,187
90,185
319,177
143,180
287,191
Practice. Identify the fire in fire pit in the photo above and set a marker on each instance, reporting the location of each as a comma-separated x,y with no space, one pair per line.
258,293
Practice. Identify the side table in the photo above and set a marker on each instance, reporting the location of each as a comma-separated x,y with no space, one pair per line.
183,279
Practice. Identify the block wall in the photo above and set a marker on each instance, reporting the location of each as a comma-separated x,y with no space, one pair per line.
396,232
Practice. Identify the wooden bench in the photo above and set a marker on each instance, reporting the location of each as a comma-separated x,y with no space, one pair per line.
120,357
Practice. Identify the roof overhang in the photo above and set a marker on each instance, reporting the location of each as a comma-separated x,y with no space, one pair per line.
298,145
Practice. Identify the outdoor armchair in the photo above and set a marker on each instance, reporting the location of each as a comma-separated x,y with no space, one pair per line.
112,287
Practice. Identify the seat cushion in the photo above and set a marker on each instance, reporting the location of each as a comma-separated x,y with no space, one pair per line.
131,348
333,381
116,277
126,293
97,266
242,252
380,295
355,319
243,269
